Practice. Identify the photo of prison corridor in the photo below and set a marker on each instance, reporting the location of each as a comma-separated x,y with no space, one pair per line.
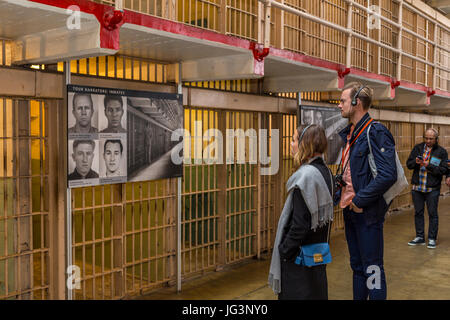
151,123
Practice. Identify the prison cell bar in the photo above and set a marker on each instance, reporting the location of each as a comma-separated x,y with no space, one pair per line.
347,31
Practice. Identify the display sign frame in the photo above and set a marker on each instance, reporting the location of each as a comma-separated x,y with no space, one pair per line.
117,136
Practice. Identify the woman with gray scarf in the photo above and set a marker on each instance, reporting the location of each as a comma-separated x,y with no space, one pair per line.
305,219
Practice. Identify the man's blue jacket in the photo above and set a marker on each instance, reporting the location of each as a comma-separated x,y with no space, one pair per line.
369,191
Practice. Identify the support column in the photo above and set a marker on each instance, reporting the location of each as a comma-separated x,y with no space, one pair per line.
222,179
277,123
399,41
348,60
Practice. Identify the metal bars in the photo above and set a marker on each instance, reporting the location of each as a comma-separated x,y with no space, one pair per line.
242,18
400,42
366,44
119,67
124,237
199,203
24,200
241,189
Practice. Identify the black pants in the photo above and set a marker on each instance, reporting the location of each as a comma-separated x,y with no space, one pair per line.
419,200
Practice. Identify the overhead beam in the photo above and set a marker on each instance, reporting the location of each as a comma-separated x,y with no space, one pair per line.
406,97
382,90
302,83
231,67
60,44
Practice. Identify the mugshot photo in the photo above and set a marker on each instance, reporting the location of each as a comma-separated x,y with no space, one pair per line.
83,160
83,109
113,157
112,114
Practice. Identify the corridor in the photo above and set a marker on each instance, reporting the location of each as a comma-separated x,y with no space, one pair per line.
413,273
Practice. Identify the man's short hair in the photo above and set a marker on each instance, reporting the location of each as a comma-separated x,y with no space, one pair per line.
113,141
79,94
365,95
113,97
78,142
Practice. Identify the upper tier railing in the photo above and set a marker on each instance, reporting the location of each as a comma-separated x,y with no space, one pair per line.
387,37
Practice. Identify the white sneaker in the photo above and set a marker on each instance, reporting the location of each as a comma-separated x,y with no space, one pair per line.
431,244
417,241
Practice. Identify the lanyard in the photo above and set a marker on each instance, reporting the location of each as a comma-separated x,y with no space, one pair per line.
427,154
348,148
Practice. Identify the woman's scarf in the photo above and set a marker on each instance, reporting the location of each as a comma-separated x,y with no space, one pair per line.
317,197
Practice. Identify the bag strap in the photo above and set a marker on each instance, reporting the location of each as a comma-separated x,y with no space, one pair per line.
373,167
332,193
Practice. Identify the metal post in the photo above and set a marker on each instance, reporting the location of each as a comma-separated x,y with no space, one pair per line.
399,42
268,9
348,58
179,91
69,262
119,5
434,82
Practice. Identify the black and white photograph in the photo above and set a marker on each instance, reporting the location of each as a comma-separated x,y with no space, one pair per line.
151,122
112,114
116,135
83,163
113,160
331,120
82,115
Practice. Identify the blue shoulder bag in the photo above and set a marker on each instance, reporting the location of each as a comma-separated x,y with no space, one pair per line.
315,254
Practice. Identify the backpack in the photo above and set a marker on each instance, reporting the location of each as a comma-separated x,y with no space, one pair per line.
401,182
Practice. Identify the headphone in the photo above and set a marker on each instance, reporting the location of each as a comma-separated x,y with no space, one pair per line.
354,102
303,132
436,133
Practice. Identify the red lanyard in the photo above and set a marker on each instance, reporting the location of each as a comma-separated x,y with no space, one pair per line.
348,148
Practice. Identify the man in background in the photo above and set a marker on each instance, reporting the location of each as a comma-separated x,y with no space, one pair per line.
429,162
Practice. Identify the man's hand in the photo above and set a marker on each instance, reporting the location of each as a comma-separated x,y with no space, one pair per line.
422,163
355,208
447,181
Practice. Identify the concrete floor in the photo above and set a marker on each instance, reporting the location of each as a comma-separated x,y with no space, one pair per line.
413,273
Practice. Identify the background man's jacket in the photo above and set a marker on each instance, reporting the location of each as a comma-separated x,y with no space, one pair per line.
434,172
369,191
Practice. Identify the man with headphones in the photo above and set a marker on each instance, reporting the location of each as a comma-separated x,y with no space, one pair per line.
361,195
429,162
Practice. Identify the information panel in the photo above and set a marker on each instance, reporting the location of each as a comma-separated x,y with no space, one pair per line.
331,120
116,135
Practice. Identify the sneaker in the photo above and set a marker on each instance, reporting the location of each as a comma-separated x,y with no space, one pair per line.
417,241
431,244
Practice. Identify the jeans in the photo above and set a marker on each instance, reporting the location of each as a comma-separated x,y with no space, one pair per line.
365,245
419,200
